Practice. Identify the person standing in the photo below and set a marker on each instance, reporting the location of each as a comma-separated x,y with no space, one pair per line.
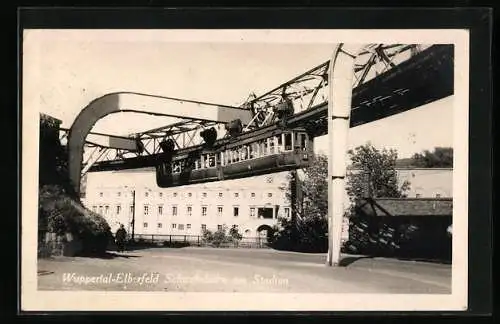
120,237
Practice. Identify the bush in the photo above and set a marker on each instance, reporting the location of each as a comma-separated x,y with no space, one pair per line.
221,237
308,235
60,210
65,215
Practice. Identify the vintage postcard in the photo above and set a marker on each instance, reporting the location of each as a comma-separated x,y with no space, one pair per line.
283,170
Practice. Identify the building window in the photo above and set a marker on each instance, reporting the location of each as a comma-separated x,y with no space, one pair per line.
204,195
94,209
252,211
219,227
146,194
146,210
175,194
100,194
119,193
190,194
118,209
160,210
220,194
253,194
269,195
203,227
160,194
287,211
236,195
418,195
181,227
219,211
106,209
174,210
204,211
236,211
438,195
174,226
189,210
159,225
188,226
145,225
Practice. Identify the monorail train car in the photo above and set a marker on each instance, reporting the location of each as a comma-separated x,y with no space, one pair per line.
262,151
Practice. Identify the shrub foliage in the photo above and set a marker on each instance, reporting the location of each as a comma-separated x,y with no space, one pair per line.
60,210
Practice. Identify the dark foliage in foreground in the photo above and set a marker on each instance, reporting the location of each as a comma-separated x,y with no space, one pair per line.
60,210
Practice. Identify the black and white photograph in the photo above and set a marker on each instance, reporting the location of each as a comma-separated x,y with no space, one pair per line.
245,169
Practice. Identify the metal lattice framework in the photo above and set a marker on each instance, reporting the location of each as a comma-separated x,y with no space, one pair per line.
307,92
310,89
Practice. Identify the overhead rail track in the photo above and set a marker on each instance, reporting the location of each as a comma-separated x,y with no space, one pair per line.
426,76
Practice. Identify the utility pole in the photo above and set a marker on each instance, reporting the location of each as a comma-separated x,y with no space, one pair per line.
133,214
295,202
340,76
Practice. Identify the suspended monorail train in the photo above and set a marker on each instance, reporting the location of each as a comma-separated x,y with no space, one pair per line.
266,150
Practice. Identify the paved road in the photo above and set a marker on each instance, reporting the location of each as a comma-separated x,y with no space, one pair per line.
240,270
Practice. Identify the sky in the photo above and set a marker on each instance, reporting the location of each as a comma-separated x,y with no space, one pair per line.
65,70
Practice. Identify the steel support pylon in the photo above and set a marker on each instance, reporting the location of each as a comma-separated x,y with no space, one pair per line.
340,74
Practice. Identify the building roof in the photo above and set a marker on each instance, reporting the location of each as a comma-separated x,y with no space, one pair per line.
406,207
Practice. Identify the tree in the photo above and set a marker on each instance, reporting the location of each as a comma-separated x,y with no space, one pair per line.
53,157
373,172
60,210
306,229
311,198
440,157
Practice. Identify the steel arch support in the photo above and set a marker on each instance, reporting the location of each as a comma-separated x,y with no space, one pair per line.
340,74
140,103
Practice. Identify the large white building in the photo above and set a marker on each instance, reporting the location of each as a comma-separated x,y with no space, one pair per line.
249,204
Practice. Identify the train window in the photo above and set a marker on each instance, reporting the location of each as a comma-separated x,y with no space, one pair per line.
176,167
236,157
303,141
288,141
271,145
254,153
262,148
279,143
211,161
243,153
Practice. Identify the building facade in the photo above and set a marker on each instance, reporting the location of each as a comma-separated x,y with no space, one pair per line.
249,204
427,182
